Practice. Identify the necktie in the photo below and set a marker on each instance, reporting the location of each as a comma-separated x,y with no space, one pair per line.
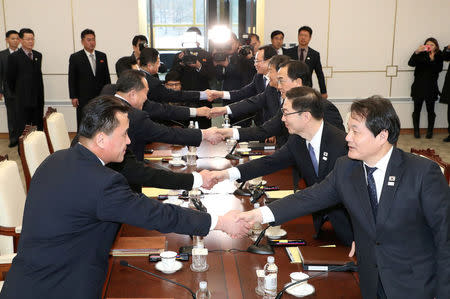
302,54
312,154
372,190
30,55
92,62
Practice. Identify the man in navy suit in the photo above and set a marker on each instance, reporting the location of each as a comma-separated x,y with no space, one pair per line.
25,82
68,229
399,204
310,56
88,72
313,147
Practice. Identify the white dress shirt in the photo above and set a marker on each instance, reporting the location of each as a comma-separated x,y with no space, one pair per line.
380,173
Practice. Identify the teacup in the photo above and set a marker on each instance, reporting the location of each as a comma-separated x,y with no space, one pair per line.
297,276
244,146
275,230
176,158
168,259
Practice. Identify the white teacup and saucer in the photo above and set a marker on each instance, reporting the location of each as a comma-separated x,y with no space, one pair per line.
301,289
176,160
168,263
275,232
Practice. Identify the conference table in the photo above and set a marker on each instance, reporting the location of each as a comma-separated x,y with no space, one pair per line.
232,270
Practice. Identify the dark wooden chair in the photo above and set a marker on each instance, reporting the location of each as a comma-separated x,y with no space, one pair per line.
429,153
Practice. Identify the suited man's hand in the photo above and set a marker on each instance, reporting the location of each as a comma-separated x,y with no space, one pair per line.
219,175
203,111
214,94
208,180
218,111
324,96
232,225
75,102
212,135
253,216
226,132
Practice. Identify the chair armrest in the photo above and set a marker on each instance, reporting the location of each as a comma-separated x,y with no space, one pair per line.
7,258
9,231
19,229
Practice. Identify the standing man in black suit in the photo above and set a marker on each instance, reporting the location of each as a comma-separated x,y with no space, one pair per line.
88,72
12,40
313,148
399,204
68,229
276,39
310,56
25,81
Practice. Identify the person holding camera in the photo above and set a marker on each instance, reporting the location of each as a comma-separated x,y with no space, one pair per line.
428,61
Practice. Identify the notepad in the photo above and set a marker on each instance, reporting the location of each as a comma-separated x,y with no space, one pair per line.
154,192
255,157
138,246
294,255
279,193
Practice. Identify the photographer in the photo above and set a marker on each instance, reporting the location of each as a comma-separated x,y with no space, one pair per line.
196,69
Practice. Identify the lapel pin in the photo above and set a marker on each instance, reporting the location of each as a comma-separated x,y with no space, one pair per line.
391,180
325,156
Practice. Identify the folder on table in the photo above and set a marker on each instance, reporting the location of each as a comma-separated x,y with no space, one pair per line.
154,192
138,246
323,258
279,193
159,155
256,145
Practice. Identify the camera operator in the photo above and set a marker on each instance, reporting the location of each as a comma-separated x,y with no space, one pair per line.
196,69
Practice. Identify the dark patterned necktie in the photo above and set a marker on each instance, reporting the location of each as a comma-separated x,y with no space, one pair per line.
372,190
302,54
30,55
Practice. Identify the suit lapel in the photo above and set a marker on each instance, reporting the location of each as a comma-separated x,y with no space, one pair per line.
391,181
87,62
358,179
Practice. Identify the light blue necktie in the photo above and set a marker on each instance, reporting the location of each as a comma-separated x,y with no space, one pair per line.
312,154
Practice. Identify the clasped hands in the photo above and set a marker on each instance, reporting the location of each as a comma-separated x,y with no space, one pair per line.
238,224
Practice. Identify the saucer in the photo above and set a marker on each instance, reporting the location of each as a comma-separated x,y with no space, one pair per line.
301,290
177,163
177,266
278,234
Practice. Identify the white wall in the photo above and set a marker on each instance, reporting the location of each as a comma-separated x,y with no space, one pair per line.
359,39
57,25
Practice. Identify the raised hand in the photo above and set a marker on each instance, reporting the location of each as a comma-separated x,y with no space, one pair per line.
203,111
212,135
208,180
231,224
213,94
217,111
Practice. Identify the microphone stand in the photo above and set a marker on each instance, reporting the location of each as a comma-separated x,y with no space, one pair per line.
241,191
257,193
260,249
230,155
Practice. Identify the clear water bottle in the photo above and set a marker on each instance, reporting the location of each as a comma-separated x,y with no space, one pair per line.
270,279
226,121
257,227
191,125
203,292
196,126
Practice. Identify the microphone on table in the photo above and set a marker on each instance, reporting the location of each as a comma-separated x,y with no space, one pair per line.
126,264
260,249
243,120
231,156
177,123
240,191
257,193
350,266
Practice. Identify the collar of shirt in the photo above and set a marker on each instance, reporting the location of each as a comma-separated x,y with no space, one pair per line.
315,142
122,98
380,172
12,51
305,53
267,79
89,54
144,71
26,51
280,51
103,163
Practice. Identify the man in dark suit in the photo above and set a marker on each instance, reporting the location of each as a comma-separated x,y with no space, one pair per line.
276,39
12,40
132,88
88,72
312,148
310,56
399,204
267,103
25,82
292,74
68,231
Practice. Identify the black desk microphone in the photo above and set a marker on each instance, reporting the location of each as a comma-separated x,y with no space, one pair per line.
260,249
240,191
125,264
231,156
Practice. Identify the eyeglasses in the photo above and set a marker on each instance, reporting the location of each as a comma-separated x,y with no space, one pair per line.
173,84
283,111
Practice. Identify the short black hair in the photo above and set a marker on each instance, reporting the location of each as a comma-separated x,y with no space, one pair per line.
148,55
25,30
379,115
86,32
125,63
99,115
305,28
139,38
130,80
9,32
298,69
194,29
275,33
253,35
269,51
306,99
279,60
173,76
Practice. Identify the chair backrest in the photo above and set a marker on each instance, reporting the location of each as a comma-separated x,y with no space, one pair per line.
33,150
431,154
55,129
12,201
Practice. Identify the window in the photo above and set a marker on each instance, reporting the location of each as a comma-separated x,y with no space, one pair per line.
171,18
